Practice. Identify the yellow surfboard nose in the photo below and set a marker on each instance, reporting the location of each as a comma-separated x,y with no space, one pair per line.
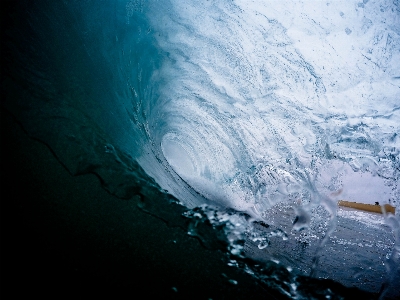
368,207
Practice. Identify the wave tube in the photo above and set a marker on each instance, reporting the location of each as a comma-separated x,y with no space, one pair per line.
252,117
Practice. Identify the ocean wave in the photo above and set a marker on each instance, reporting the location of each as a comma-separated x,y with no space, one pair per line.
236,107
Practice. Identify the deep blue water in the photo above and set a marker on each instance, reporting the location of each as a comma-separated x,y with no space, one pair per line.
261,115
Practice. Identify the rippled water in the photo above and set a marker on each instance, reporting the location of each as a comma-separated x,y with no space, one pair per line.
263,113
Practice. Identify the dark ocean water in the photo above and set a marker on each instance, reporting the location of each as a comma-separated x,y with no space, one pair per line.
210,117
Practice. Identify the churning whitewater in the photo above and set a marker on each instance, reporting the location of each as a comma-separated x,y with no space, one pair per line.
261,102
271,108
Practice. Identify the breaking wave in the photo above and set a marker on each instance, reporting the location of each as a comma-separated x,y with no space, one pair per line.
255,116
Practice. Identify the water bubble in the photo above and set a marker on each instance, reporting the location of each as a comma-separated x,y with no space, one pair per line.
301,221
263,245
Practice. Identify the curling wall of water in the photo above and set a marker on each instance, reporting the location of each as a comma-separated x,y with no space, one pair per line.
267,102
261,102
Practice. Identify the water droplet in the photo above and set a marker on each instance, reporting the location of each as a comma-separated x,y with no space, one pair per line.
234,282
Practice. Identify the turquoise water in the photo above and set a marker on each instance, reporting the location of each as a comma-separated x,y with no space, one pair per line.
253,111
